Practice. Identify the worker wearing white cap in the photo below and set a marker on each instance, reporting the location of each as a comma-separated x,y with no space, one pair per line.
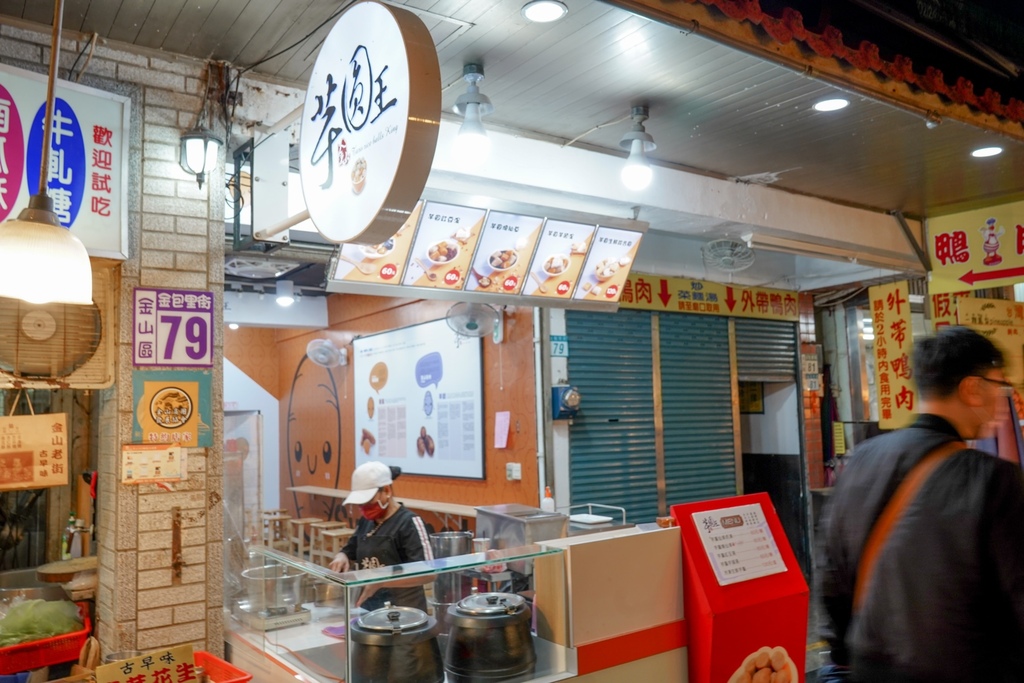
388,534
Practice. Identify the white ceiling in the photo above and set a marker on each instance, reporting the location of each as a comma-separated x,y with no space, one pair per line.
721,118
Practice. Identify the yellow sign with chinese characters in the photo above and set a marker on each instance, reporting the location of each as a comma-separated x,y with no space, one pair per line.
1002,322
944,306
977,249
171,665
681,295
890,317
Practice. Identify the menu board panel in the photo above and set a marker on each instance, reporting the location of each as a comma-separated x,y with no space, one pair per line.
607,265
739,543
502,260
419,401
444,245
379,263
559,259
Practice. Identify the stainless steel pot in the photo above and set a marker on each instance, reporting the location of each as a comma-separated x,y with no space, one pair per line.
395,645
272,588
489,639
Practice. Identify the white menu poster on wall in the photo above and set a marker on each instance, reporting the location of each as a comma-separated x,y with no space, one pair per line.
419,401
739,543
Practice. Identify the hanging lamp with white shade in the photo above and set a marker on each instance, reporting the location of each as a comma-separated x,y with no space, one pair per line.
43,262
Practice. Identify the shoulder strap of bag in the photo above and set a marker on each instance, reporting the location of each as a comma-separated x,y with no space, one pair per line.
893,513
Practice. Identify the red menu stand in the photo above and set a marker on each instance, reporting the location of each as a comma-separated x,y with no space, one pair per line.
729,624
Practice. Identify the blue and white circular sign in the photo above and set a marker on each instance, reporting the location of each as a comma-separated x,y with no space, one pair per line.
369,123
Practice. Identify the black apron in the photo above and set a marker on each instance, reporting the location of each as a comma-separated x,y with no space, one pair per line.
381,550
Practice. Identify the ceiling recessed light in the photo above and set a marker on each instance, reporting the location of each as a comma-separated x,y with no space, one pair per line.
544,11
232,326
834,104
983,152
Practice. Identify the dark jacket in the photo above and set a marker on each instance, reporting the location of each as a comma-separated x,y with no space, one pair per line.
400,538
946,602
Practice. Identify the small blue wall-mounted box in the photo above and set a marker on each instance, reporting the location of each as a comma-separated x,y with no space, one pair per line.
565,401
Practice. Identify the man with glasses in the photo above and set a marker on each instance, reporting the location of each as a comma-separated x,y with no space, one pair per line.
941,596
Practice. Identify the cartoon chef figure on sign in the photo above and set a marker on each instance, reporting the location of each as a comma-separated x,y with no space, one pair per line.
991,234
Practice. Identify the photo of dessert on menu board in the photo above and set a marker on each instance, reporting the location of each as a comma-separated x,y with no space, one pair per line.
443,249
503,257
381,263
608,263
558,259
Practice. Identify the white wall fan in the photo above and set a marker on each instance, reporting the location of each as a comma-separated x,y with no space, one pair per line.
324,353
60,345
476,320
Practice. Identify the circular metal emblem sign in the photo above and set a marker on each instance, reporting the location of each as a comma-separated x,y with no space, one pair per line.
369,123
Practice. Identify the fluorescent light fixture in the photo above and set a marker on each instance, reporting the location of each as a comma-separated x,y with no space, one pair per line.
832,104
544,11
285,293
983,152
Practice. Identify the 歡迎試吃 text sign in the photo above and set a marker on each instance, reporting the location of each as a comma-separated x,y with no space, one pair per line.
86,178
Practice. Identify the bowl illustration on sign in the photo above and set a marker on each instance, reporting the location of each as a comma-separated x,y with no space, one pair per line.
503,259
359,175
607,267
442,252
376,251
556,264
171,407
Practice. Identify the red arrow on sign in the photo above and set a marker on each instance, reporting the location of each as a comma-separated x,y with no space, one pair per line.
970,277
730,300
663,294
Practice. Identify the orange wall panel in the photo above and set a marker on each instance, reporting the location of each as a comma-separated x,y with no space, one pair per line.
254,351
318,414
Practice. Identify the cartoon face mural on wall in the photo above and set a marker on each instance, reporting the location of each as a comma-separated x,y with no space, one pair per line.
313,435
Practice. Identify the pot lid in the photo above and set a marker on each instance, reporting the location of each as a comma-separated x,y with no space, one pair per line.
491,603
393,618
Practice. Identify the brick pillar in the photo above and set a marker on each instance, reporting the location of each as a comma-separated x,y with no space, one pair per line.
177,242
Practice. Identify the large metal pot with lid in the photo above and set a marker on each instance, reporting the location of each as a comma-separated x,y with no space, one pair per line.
395,645
489,639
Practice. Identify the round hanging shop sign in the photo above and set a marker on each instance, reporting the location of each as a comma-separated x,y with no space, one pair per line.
369,123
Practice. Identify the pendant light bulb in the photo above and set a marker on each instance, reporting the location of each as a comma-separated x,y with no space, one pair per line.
472,147
637,173
43,262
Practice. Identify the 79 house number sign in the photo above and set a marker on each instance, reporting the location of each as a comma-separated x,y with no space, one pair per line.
173,328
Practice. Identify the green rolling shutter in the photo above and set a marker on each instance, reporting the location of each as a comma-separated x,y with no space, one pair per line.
696,393
612,448
765,350
611,440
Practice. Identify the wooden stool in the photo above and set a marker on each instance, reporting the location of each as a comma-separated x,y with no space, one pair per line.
316,544
333,541
297,530
275,525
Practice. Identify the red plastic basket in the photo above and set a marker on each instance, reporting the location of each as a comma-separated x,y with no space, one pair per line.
36,654
218,670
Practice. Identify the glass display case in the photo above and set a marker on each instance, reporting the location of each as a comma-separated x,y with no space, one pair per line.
313,621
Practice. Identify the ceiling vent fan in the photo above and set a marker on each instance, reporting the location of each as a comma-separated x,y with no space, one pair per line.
60,345
476,320
324,353
728,255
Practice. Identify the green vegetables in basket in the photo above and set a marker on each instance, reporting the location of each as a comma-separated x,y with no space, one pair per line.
36,619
